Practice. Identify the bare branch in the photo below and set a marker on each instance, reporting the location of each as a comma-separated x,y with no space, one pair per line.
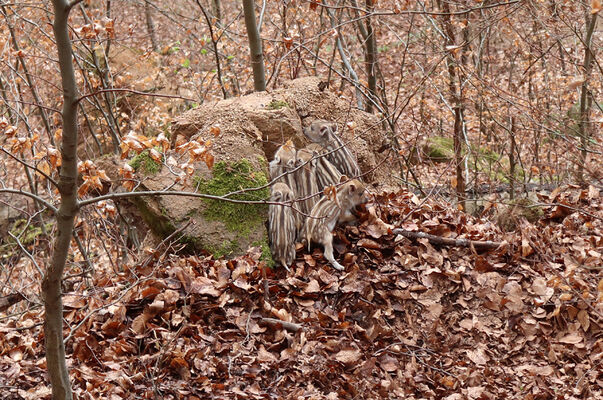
44,174
170,96
30,195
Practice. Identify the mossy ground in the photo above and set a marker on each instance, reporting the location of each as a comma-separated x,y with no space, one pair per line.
226,248
266,253
144,163
482,159
439,148
510,216
26,232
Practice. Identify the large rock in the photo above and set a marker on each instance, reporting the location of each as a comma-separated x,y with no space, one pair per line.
269,119
251,128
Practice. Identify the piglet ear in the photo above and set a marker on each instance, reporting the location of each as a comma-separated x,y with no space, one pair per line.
324,130
343,179
333,127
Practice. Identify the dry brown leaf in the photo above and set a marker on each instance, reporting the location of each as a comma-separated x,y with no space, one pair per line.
265,356
204,286
478,356
348,356
572,338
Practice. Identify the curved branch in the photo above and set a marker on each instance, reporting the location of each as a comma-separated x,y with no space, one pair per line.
125,195
30,195
170,96
17,159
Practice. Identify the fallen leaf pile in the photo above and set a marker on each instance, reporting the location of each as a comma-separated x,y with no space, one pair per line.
407,319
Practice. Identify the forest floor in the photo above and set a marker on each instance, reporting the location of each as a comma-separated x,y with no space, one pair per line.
406,319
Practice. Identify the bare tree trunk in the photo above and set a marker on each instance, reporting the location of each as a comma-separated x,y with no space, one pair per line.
51,285
28,78
150,25
512,161
585,103
255,46
214,43
345,61
217,10
371,58
456,101
5,98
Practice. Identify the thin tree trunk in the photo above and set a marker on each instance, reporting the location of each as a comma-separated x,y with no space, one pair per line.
512,161
456,101
5,98
151,25
346,62
584,123
371,58
51,285
215,46
217,10
28,77
255,46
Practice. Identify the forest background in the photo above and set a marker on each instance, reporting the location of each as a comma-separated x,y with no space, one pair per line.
481,101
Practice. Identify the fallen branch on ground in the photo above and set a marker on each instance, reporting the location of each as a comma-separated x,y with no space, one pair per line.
290,326
433,239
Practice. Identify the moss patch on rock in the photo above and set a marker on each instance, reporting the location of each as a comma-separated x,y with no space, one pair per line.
161,224
277,104
230,177
144,163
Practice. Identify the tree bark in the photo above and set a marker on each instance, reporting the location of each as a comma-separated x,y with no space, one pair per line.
584,122
456,98
28,77
51,284
255,46
371,58
215,46
217,10
151,25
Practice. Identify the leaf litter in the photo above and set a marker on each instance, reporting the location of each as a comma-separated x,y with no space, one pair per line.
406,319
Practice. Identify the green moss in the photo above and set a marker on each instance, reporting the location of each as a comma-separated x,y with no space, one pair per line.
266,253
439,148
145,163
26,232
277,104
486,155
263,162
227,178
